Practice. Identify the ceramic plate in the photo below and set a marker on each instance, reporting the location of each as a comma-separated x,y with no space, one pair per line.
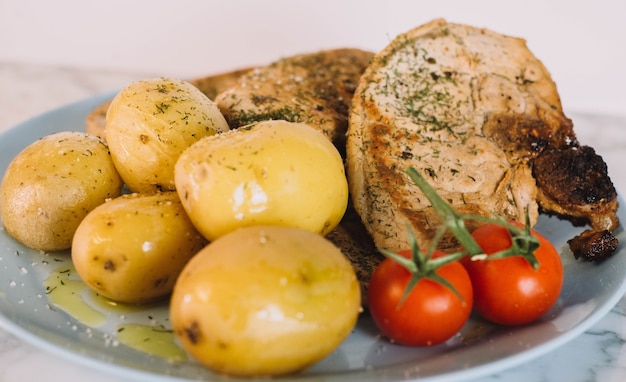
136,343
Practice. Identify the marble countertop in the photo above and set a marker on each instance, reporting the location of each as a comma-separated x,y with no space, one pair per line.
597,355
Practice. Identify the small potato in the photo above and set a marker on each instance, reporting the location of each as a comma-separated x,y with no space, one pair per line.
150,122
265,300
52,184
273,172
132,248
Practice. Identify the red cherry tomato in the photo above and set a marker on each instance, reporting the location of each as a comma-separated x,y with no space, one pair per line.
509,290
431,314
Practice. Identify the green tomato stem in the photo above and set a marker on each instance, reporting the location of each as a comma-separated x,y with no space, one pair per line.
449,217
422,266
523,242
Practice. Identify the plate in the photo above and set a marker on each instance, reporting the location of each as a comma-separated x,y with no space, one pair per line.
137,343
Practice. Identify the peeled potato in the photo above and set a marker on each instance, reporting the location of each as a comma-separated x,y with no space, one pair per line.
265,300
150,123
52,184
273,172
132,248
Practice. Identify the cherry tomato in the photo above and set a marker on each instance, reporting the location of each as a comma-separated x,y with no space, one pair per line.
509,290
431,314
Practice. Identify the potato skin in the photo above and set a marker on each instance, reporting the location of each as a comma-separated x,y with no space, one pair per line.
51,185
272,172
132,248
265,300
150,122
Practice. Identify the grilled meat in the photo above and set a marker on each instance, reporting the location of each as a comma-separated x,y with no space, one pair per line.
573,182
313,88
356,244
480,117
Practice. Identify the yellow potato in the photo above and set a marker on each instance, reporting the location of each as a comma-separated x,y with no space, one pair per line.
52,184
273,172
150,122
132,248
265,300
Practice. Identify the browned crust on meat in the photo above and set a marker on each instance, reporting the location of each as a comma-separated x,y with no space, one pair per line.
574,183
593,245
314,88
423,103
563,177
356,244
471,110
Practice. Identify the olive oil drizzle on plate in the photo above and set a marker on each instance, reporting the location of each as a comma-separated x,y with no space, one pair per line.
67,292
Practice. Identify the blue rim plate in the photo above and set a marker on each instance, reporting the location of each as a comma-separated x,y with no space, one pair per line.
590,291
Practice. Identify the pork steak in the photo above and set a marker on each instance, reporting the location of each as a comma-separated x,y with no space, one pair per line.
480,117
314,88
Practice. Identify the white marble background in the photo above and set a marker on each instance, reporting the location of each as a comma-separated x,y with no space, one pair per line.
52,53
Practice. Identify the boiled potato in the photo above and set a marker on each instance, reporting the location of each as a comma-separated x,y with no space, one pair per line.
132,248
52,184
265,300
150,122
273,172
